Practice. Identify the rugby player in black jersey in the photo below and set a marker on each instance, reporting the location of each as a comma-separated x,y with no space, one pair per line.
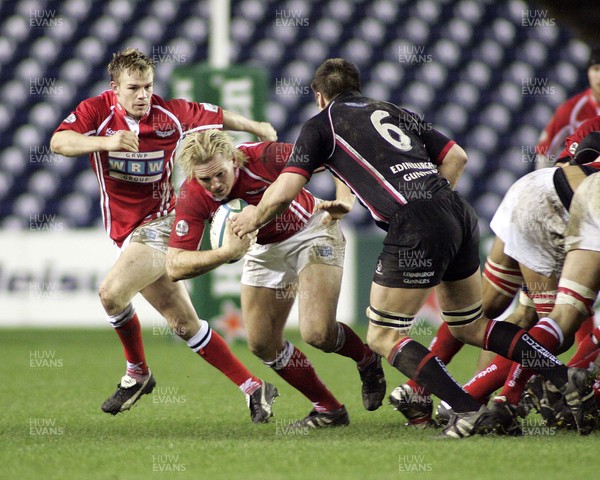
403,171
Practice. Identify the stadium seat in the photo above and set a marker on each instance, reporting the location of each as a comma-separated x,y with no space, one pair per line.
196,30
384,10
27,206
78,9
43,183
458,115
389,73
74,71
420,94
44,115
470,10
415,30
457,34
327,29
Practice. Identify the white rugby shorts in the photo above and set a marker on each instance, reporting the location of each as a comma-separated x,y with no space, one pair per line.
531,221
155,233
277,265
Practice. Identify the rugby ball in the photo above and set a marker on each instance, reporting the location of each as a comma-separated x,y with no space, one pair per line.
219,222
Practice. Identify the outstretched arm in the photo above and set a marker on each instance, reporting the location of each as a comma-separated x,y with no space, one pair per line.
237,122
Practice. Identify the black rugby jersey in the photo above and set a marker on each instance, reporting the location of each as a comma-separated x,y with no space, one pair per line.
387,155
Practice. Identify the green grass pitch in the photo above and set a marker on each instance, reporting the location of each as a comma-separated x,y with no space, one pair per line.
196,425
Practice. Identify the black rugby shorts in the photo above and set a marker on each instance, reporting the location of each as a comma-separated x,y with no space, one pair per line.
429,241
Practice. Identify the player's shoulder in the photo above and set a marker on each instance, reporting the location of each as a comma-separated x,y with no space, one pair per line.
363,102
319,121
92,111
171,104
256,149
262,152
265,153
99,103
193,197
570,102
251,148
178,103
254,153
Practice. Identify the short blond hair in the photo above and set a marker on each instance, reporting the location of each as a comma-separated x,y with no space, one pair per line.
129,60
200,148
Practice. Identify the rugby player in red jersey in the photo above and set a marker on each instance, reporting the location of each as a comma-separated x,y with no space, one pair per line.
300,254
570,115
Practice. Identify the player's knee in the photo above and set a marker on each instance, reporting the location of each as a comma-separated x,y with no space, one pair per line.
109,296
495,306
375,341
500,284
319,338
494,303
525,315
466,334
257,348
170,306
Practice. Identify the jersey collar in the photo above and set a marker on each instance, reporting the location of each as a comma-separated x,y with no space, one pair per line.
349,93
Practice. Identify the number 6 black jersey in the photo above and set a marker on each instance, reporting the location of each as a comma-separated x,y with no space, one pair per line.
387,155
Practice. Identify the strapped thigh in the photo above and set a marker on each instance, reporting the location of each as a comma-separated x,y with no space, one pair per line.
544,302
576,295
505,280
525,299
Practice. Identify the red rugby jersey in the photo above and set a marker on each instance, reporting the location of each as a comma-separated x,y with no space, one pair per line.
137,187
567,118
573,140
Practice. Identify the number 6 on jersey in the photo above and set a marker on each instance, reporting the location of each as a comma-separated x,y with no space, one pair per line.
386,129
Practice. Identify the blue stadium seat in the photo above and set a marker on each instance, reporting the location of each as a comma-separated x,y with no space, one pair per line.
420,94
389,73
415,30
386,11
43,183
27,206
469,10
79,9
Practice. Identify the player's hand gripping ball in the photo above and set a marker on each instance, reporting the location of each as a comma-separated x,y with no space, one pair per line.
219,222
